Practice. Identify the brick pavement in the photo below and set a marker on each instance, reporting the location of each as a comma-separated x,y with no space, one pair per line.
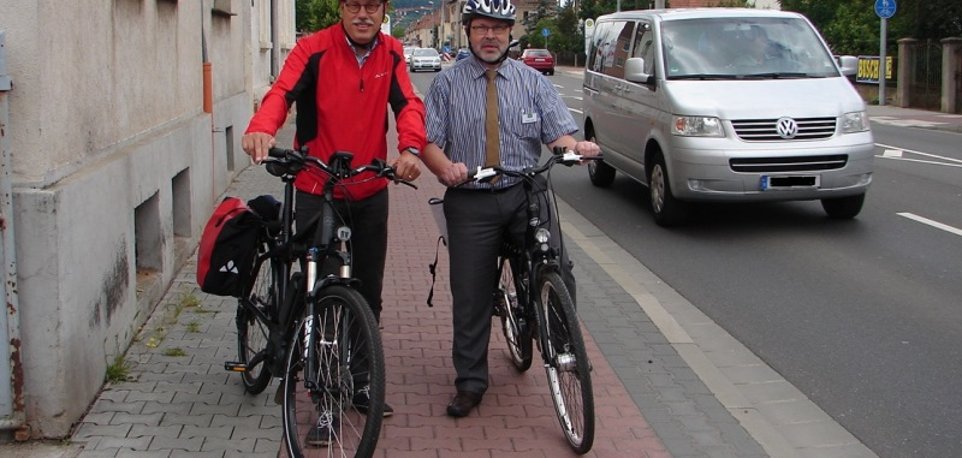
187,405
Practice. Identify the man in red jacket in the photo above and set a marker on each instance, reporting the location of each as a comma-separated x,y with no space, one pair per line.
342,79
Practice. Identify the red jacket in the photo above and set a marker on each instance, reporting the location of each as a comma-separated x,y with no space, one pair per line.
343,107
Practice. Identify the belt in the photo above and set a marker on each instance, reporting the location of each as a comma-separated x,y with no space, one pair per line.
483,190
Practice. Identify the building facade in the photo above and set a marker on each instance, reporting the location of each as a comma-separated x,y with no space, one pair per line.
121,131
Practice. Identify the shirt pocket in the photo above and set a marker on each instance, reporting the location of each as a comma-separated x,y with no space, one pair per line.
526,125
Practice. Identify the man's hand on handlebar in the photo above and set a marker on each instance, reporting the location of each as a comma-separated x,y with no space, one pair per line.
586,148
453,174
256,145
407,166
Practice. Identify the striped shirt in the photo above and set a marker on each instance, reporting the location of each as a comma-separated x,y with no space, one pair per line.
530,111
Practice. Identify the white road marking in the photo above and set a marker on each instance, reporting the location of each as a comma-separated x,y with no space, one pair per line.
935,224
894,152
575,110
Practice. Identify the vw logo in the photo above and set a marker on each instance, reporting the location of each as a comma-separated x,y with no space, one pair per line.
786,127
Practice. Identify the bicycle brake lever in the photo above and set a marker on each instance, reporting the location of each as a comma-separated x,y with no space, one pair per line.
482,175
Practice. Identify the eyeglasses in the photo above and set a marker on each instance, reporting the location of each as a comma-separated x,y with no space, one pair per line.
371,8
484,29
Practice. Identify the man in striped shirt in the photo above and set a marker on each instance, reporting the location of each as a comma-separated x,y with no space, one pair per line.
530,113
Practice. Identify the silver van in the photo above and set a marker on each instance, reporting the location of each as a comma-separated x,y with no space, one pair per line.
720,104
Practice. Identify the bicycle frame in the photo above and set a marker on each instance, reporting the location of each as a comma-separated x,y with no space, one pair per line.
535,258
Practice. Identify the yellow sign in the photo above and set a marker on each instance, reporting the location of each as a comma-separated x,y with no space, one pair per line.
868,69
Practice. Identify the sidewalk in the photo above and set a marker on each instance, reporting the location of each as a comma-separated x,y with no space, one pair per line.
667,380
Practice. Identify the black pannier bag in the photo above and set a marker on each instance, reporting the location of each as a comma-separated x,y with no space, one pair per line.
228,245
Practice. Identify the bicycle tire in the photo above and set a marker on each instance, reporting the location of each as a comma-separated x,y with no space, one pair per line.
346,331
569,372
510,308
252,334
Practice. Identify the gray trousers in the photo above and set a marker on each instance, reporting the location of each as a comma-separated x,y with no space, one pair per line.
477,224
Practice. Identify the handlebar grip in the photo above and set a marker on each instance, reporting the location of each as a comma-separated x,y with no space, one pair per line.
279,153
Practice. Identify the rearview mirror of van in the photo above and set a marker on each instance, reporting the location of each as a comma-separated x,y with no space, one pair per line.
848,65
635,71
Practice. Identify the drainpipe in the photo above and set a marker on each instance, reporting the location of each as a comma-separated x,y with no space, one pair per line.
275,52
208,96
12,408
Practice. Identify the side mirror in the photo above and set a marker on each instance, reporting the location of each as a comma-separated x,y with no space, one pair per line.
848,65
635,71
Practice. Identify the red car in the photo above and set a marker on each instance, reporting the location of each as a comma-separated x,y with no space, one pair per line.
539,59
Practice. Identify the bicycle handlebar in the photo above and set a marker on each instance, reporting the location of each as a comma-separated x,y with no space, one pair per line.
561,155
291,162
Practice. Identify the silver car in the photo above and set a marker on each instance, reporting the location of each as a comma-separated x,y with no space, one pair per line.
725,105
425,59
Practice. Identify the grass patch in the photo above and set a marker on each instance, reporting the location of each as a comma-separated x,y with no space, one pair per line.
118,371
176,351
189,300
193,326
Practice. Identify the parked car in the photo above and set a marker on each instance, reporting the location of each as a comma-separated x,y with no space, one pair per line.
463,53
725,105
408,50
425,59
539,59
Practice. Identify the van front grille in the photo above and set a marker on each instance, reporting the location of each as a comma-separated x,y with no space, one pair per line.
788,164
760,130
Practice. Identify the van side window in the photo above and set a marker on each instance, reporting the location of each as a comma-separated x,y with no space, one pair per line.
621,33
644,46
596,55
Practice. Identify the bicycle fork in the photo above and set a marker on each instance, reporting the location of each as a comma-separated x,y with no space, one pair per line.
325,333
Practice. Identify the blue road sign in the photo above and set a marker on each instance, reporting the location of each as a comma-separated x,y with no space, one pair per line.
545,32
885,8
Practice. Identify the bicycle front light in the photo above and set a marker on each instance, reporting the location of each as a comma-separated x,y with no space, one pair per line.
542,236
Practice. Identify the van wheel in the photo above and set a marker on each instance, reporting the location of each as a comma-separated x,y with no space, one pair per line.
843,207
601,174
667,210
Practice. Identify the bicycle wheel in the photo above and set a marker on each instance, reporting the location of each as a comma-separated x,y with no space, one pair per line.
569,373
252,334
514,323
334,392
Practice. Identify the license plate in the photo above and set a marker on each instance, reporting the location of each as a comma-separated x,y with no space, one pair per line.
539,60
769,182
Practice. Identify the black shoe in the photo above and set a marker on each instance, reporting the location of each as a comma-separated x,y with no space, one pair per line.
322,434
462,403
362,399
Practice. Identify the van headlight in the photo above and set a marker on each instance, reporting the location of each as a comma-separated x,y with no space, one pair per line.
854,122
696,126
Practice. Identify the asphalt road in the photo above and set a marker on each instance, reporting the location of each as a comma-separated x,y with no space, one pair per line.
862,316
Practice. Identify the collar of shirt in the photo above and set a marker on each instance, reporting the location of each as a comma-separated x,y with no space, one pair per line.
477,68
361,57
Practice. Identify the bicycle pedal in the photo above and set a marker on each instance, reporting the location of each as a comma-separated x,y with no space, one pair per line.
234,366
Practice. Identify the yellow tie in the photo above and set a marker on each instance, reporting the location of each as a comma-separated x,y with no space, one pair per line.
491,143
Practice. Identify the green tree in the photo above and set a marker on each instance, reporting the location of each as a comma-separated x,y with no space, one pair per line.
314,15
852,27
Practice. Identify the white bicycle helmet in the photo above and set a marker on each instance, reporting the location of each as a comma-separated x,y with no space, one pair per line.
494,9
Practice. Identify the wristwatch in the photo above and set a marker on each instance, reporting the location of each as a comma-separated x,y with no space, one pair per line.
416,152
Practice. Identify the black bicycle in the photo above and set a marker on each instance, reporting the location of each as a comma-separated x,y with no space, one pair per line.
534,304
302,319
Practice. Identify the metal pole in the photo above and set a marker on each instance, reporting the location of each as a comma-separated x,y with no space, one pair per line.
881,65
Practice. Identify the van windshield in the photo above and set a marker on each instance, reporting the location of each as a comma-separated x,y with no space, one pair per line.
744,48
